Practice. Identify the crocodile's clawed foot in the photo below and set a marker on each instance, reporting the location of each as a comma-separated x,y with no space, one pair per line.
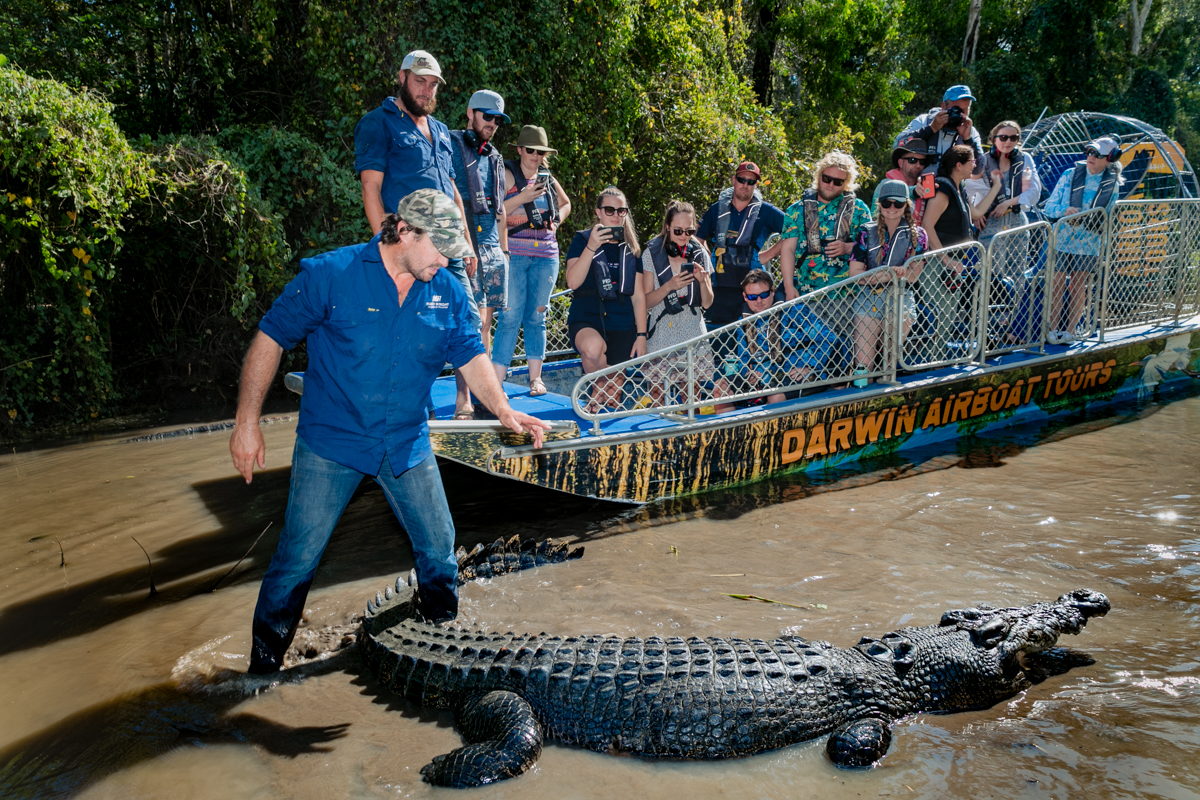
504,740
860,743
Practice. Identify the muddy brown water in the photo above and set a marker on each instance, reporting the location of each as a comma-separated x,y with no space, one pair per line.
110,693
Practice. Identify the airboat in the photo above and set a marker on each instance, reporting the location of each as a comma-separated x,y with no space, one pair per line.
982,367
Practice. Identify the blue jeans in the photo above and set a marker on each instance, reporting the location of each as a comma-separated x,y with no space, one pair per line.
530,283
319,492
459,270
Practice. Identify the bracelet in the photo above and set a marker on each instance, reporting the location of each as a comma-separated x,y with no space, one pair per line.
641,333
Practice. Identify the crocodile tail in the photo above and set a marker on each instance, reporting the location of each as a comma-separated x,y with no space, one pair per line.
502,557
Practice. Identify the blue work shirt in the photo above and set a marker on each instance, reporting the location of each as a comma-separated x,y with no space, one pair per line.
387,140
371,362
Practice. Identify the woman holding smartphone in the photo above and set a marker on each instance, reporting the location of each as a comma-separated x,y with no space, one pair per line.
676,278
607,320
536,205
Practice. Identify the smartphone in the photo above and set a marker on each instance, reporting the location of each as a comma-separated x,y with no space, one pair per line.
689,268
927,182
616,233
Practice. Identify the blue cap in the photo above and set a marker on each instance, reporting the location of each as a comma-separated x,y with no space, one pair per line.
488,102
958,92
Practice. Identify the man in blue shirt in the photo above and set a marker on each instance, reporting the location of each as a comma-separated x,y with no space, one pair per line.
381,320
399,148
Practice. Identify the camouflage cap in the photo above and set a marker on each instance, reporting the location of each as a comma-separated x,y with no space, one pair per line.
435,214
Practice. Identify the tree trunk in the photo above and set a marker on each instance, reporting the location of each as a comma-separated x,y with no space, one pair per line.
763,45
971,42
1137,23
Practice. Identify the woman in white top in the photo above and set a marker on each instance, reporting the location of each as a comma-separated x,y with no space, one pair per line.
676,278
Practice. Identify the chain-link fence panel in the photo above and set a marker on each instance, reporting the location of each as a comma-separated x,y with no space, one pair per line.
1075,276
1189,284
843,333
1014,287
1148,263
946,327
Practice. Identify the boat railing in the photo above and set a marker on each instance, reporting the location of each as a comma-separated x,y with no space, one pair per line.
1079,247
836,334
1017,260
558,343
942,324
1152,263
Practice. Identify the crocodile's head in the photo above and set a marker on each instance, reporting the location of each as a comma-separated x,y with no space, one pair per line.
977,657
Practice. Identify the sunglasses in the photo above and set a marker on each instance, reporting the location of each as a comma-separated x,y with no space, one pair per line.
893,203
760,296
834,181
611,211
490,117
683,231
1008,137
1091,151
912,160
529,150
747,181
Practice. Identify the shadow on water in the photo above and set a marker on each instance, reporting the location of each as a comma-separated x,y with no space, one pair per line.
88,746
368,540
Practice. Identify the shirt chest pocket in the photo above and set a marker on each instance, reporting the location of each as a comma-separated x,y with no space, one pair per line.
355,333
407,146
431,335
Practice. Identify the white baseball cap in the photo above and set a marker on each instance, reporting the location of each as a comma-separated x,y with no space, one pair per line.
421,63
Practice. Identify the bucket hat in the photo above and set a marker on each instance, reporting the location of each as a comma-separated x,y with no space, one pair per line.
533,138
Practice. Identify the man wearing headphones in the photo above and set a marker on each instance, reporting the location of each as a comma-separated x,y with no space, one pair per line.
1093,183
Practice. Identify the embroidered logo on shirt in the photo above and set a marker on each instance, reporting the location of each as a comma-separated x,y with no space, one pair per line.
372,309
436,304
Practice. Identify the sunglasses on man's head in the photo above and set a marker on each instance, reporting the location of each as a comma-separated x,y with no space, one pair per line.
912,160
892,203
747,181
683,231
759,296
1008,137
833,181
611,211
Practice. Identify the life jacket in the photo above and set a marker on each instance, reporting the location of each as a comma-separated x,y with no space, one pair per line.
733,259
812,228
690,299
534,219
607,285
901,244
1108,185
964,211
1012,187
477,204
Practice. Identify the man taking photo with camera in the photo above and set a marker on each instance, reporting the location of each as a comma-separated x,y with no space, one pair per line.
946,125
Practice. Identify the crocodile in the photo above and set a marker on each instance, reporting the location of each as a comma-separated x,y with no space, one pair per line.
699,698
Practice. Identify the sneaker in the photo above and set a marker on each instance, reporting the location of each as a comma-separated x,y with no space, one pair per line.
1056,337
863,381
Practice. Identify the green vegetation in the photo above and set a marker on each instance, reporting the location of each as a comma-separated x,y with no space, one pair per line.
164,166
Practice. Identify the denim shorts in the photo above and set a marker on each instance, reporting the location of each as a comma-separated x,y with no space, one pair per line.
870,303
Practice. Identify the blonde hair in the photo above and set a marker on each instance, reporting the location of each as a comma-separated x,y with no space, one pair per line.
630,229
840,160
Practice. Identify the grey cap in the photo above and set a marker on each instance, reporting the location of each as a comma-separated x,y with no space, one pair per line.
892,189
421,63
488,102
435,214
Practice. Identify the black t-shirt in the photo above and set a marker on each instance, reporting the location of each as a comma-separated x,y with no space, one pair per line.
954,225
617,315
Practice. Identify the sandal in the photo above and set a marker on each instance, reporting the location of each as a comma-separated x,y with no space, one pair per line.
464,412
536,387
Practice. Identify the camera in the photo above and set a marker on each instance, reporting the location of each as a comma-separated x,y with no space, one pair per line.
956,118
616,233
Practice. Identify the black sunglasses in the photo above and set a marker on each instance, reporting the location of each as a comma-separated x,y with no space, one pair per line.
490,117
1008,137
912,160
747,181
1091,151
760,296
834,181
531,151
620,212
683,231
892,203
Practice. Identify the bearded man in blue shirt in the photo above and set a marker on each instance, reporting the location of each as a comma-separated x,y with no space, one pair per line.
381,320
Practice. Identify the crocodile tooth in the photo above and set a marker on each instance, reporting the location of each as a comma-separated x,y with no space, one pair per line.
399,583
412,578
387,593
367,610
378,599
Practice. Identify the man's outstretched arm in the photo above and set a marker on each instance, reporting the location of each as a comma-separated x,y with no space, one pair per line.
246,445
481,377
